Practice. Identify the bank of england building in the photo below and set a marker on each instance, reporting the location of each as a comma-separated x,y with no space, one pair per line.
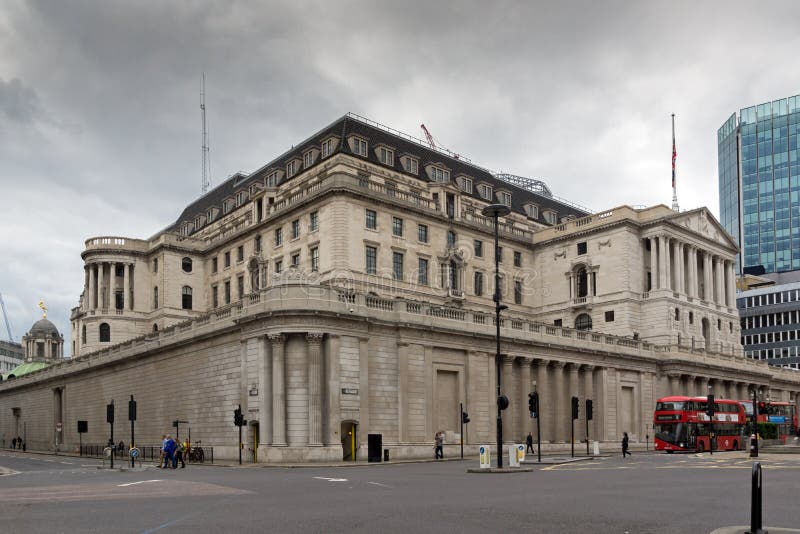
345,289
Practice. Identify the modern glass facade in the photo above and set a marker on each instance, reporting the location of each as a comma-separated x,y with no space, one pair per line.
759,183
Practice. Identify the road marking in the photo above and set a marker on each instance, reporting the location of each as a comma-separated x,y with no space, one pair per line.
379,484
140,482
68,463
332,479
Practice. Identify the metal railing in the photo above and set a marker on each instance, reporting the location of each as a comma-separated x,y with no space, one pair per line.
147,453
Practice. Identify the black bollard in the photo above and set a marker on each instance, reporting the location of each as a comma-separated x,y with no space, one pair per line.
755,501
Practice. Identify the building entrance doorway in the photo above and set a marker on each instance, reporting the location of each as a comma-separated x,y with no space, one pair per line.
256,439
349,433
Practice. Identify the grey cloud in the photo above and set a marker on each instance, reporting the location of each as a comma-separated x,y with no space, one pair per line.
19,103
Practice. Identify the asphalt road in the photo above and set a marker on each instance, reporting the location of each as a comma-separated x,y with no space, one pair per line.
646,493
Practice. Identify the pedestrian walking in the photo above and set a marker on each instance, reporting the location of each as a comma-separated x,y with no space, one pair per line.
14,443
121,448
625,450
161,452
169,453
439,447
180,452
19,442
529,443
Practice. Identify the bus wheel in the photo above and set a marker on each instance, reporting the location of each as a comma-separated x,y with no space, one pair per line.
701,447
669,451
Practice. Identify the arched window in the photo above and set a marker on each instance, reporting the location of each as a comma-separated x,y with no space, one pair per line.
155,327
186,265
83,335
677,314
105,333
187,298
583,322
582,287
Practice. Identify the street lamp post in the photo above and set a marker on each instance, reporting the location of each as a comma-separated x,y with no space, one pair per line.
496,211
754,448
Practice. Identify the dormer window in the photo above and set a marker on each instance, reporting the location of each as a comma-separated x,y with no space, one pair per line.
411,165
550,216
227,205
327,148
532,211
198,222
359,146
439,175
504,197
241,196
308,159
272,179
211,214
291,168
386,156
485,191
465,184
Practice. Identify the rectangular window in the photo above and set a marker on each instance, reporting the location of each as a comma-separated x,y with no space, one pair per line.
240,253
272,179
517,259
478,245
291,168
532,211
411,165
278,237
227,259
214,297
423,272
504,198
465,184
478,283
313,221
240,285
278,266
582,248
155,265
257,243
517,292
397,265
308,159
485,191
397,226
558,322
372,260
327,148
155,297
386,156
439,175
359,147
500,254
371,219
214,264
610,316
422,233
227,292
295,228
296,260
314,259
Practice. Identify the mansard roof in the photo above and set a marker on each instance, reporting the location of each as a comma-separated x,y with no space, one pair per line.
350,125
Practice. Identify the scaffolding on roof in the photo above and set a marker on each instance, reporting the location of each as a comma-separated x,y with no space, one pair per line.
531,184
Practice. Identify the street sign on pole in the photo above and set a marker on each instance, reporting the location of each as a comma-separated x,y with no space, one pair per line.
485,456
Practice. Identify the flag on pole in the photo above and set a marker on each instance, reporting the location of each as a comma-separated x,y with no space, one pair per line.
674,156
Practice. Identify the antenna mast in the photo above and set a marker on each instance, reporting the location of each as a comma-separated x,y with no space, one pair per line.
206,179
674,157
5,316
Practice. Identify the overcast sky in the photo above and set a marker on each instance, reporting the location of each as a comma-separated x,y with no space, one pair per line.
100,122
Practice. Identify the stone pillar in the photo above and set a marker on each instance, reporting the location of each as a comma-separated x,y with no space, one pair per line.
653,263
507,389
126,285
332,408
667,262
674,384
102,303
574,392
662,262
708,289
692,259
720,279
278,342
731,286
315,366
112,285
524,390
676,266
542,387
92,288
557,400
681,274
264,389
588,391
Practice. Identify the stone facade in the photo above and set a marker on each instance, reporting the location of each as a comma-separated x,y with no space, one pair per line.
340,291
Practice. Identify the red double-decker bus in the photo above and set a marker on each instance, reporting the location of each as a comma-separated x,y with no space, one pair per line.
681,424
782,414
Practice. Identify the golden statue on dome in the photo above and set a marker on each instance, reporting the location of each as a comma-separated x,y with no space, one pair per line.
44,308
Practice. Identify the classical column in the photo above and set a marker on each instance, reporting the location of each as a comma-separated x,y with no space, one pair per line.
332,408
681,273
692,259
676,265
126,285
524,389
588,391
731,286
720,294
557,400
708,289
653,263
112,285
674,384
315,365
507,389
662,262
573,392
667,262
278,390
101,290
92,288
542,387
264,389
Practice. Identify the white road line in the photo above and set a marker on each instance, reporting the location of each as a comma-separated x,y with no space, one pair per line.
140,482
379,484
332,479
68,463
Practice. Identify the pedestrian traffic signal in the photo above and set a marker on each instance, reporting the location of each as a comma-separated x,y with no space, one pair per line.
464,417
710,406
575,407
110,413
589,410
238,418
502,402
533,404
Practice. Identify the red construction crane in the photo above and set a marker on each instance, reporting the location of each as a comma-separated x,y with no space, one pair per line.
428,136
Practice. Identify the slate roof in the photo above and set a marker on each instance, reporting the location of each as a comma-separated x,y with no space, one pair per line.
375,135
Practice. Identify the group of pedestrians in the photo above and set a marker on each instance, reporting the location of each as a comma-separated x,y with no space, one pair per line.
439,445
16,443
172,452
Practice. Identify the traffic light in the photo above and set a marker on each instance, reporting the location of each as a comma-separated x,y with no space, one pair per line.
502,402
575,407
533,404
464,418
110,413
238,418
131,409
710,406
589,411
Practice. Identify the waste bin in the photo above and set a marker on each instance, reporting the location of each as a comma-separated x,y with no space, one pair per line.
385,455
374,446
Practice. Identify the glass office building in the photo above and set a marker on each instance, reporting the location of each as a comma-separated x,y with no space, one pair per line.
759,184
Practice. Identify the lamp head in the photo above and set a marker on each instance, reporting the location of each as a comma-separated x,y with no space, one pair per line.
496,210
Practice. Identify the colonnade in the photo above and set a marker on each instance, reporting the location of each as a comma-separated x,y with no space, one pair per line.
700,386
686,268
101,285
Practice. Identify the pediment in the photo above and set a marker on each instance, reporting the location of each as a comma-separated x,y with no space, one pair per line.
704,223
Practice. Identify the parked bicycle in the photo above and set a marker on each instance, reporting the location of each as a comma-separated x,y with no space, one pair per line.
196,453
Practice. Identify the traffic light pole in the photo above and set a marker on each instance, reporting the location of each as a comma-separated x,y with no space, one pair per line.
132,418
572,440
587,433
461,409
240,437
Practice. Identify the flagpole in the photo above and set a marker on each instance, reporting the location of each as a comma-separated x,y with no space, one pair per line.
674,157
